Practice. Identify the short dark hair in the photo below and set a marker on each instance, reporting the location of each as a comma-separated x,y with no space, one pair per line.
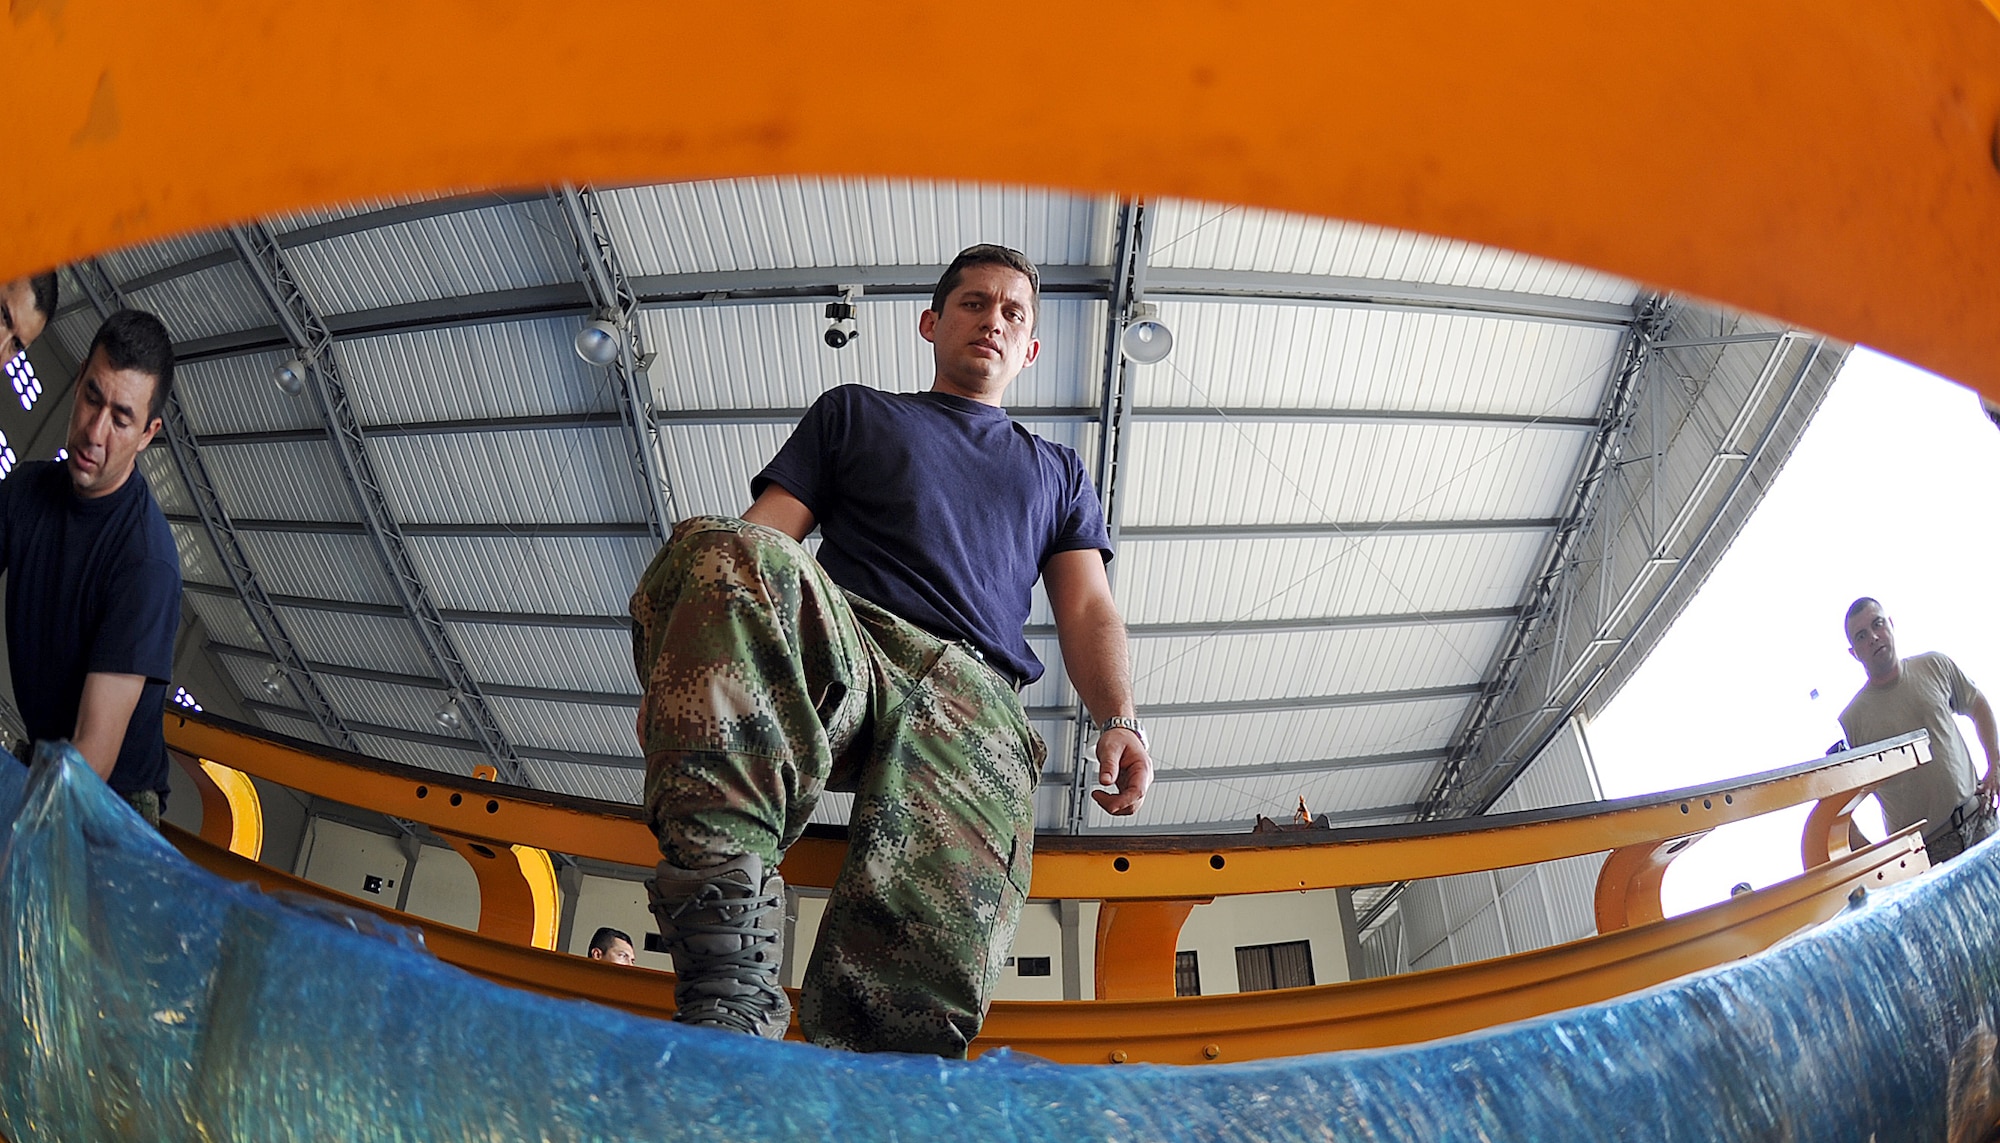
604,938
48,293
988,254
1854,609
135,339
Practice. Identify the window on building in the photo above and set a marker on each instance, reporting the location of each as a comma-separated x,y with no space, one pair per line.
1031,966
1263,967
1187,974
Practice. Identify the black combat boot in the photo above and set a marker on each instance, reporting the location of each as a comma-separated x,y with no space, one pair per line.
724,927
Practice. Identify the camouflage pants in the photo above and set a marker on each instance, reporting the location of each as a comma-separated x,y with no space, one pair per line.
767,685
147,803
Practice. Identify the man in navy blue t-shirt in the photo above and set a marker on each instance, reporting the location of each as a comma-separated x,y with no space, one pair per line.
890,667
93,578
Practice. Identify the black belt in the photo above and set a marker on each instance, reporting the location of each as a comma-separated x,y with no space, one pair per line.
1976,806
1006,676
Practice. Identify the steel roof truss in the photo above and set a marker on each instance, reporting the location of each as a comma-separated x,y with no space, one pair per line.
106,298
308,334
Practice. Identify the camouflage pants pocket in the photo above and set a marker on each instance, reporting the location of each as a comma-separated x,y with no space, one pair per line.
937,868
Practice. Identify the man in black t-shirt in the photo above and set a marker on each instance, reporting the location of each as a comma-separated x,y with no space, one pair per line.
26,305
93,578
891,668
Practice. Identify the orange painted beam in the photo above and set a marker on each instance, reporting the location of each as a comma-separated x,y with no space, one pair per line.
1136,942
1066,868
1246,1026
517,901
1829,162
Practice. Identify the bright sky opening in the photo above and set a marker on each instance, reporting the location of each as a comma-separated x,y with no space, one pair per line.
1888,494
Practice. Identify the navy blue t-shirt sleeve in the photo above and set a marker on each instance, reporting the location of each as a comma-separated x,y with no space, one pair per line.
804,467
140,619
1081,524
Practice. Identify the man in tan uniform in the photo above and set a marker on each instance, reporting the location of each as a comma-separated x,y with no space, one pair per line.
1923,692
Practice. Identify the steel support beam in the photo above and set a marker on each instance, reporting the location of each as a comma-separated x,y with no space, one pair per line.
1353,530
622,623
1615,419
612,296
1128,284
419,682
817,284
308,335
445,742
1300,625
106,298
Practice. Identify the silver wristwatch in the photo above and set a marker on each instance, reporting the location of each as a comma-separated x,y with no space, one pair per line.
1123,723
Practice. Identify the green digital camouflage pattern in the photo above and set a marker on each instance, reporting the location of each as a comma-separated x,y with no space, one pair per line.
767,685
147,803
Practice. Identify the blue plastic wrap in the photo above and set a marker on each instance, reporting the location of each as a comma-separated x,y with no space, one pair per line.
142,998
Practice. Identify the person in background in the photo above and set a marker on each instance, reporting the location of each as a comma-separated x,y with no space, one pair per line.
611,945
93,577
1923,692
26,305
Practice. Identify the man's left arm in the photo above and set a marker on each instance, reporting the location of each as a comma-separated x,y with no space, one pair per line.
1092,634
1981,713
102,717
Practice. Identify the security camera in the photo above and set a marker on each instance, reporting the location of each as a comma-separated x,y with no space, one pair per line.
840,319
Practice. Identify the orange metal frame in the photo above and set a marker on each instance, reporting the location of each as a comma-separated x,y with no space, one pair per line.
1829,162
1370,1013
1065,868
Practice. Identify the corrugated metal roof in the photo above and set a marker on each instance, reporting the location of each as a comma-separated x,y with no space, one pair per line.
585,781
1226,668
236,395
1235,355
430,757
506,247
567,726
137,261
564,658
317,566
372,642
301,728
281,480
215,300
1305,735
1220,236
773,356
539,476
739,224
226,621
541,575
469,373
1314,473
1181,581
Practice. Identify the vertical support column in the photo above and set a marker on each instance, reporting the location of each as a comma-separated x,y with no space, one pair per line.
1128,283
1071,914
1628,886
232,815
1136,942
1830,832
518,898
